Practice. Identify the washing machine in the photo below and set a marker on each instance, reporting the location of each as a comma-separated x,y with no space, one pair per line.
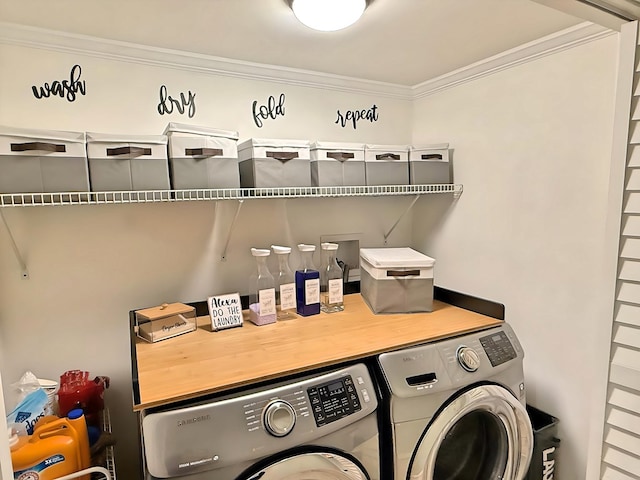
456,409
322,426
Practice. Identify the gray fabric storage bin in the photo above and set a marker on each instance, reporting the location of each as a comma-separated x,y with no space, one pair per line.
42,161
387,164
202,157
268,163
429,164
337,164
396,280
127,162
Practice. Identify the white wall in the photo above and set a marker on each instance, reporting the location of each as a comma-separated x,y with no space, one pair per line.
90,265
532,147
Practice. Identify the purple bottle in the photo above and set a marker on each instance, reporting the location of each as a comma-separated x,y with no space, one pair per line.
307,283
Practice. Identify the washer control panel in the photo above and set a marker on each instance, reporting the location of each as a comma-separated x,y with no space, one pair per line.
334,400
498,348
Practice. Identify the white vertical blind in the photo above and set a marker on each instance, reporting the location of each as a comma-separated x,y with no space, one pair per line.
621,449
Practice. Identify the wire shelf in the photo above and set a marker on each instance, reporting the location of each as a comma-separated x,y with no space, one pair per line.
155,196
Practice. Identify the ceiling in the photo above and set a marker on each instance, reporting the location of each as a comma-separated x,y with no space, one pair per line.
404,42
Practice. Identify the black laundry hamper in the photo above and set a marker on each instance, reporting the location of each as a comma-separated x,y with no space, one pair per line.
545,445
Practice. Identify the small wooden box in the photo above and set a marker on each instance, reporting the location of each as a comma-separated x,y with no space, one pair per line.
165,321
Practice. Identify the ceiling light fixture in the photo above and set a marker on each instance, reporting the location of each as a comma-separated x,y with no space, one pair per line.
328,15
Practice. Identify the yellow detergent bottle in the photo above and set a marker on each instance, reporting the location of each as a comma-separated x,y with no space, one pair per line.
51,452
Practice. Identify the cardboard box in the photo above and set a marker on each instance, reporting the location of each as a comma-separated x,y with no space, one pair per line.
337,164
430,164
165,321
396,280
266,163
387,164
127,162
42,161
202,157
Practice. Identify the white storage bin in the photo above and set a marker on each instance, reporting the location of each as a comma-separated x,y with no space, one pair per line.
337,164
268,163
42,161
396,280
429,164
202,157
387,164
127,162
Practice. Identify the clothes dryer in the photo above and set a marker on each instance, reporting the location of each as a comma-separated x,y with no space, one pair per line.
457,410
322,426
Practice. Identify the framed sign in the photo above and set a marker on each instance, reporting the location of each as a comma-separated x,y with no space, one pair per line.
225,311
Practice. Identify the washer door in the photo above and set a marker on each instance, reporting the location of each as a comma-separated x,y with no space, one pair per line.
310,466
484,433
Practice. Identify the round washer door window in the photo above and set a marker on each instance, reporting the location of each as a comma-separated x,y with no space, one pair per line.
485,432
311,466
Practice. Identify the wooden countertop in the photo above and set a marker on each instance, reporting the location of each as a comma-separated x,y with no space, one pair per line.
205,362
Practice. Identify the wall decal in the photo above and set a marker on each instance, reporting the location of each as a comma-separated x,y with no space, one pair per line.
65,88
270,110
168,103
354,116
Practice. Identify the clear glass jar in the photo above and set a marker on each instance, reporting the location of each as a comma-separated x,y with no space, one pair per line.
331,280
307,283
285,284
262,293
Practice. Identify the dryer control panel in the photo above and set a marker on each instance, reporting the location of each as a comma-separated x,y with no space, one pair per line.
498,348
334,400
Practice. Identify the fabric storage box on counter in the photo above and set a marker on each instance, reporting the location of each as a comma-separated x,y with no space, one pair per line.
42,161
337,164
268,163
165,321
429,164
396,280
202,157
127,162
386,164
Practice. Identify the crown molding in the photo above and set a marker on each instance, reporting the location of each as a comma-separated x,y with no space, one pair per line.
571,37
33,37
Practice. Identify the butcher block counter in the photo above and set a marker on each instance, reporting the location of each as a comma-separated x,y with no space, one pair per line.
206,362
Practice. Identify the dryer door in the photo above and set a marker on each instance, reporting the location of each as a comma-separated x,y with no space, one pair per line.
484,433
310,466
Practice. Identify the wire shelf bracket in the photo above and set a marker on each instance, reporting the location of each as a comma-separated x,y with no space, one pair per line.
413,202
24,271
230,232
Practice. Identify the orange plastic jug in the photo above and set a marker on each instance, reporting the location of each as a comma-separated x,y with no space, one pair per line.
51,452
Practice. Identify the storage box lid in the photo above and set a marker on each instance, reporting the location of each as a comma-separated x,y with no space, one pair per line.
164,310
435,146
337,146
273,142
173,127
33,134
387,148
93,137
396,258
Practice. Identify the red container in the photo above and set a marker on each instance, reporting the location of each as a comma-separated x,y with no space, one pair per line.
78,391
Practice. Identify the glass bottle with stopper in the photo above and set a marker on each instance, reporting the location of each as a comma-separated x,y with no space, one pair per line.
262,292
307,283
331,280
285,284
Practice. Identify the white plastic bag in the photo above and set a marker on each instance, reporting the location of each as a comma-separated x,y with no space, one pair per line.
32,402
